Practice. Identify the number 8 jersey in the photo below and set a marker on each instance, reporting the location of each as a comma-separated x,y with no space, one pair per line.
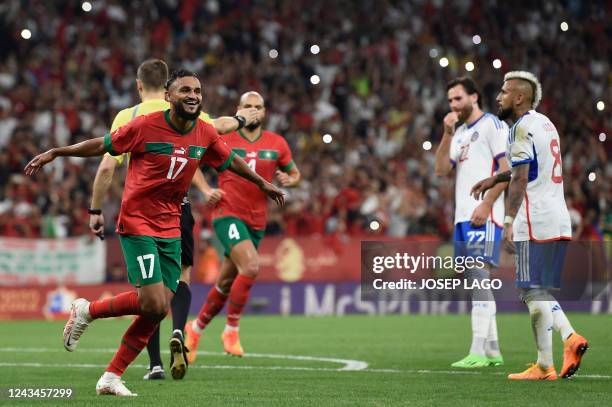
543,215
162,163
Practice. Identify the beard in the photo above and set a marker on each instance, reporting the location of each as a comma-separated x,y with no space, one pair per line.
465,113
253,126
504,114
185,115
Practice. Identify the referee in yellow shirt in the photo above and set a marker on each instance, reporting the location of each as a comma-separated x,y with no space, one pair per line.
150,80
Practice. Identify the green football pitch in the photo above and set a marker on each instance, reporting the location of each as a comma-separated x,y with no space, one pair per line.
327,361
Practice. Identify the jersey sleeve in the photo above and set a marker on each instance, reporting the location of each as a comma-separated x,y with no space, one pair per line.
205,117
285,160
521,145
497,137
127,138
218,154
122,118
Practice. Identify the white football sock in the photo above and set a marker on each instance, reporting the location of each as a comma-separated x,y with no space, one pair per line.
231,328
492,345
560,321
542,324
481,316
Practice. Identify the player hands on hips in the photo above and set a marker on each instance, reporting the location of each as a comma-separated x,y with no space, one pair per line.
166,149
473,144
239,219
537,225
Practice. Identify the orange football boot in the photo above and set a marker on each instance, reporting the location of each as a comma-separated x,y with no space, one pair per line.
573,349
191,342
535,372
231,343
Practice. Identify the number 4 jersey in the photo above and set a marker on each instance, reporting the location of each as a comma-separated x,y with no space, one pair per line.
543,215
162,164
243,199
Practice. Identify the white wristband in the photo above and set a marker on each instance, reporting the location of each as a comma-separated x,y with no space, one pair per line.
508,220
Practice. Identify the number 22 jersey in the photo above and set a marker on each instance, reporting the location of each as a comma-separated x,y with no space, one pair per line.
162,164
543,215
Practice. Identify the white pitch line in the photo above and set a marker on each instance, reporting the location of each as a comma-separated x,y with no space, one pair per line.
312,369
349,364
89,366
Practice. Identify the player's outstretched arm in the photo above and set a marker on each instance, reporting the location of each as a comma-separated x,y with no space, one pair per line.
87,148
244,117
212,195
241,168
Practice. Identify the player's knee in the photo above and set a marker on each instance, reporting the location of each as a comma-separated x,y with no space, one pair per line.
154,308
250,268
186,275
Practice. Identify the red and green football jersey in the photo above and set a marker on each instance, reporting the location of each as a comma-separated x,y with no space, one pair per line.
242,198
163,162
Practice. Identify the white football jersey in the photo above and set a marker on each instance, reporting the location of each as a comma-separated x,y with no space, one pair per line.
543,215
475,151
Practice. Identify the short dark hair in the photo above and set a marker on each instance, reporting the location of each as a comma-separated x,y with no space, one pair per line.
153,74
469,85
179,73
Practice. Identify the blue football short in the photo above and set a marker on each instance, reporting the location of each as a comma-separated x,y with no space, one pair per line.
483,241
539,265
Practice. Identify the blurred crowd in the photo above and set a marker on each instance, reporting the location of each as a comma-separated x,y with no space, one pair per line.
379,91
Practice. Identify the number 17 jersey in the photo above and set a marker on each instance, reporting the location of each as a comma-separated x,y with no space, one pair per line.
543,215
162,164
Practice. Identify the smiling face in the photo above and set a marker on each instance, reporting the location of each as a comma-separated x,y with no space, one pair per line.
460,102
185,96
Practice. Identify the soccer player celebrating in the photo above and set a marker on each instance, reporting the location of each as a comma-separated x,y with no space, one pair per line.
475,142
239,220
151,78
166,149
537,223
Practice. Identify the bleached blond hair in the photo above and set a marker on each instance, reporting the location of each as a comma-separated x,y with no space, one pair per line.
532,79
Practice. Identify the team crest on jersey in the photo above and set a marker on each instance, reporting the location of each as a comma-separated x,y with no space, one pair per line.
475,136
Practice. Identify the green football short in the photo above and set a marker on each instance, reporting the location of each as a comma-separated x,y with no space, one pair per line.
232,231
152,259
